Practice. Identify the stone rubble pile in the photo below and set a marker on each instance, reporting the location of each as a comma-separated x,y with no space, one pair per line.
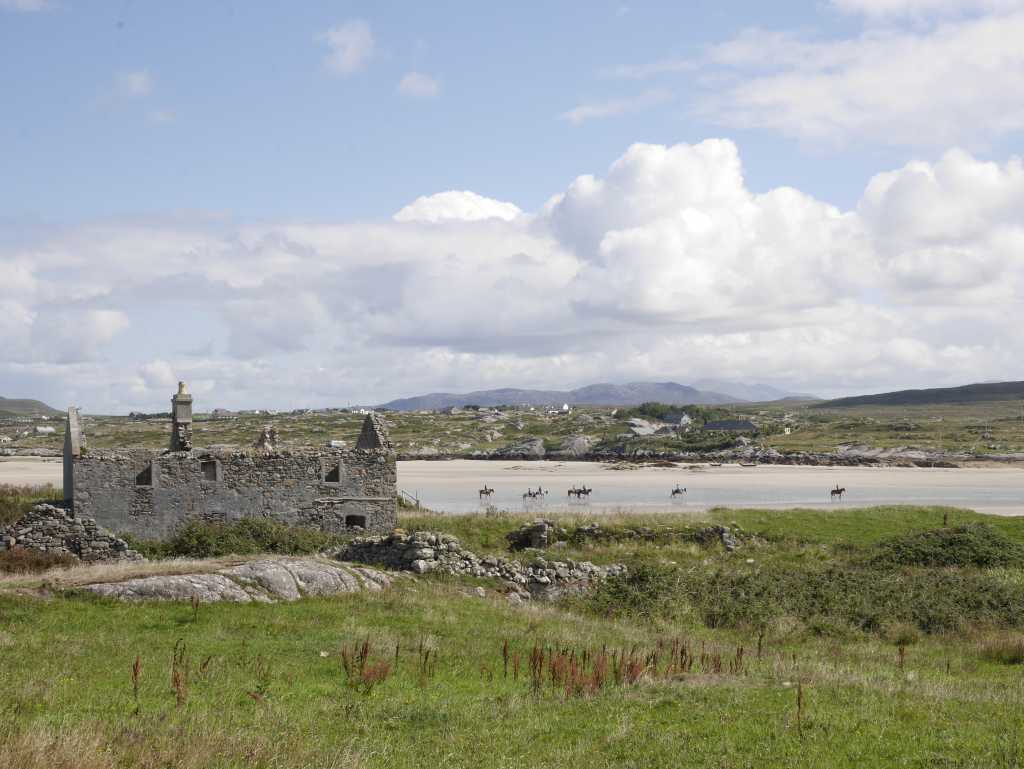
426,551
54,529
542,533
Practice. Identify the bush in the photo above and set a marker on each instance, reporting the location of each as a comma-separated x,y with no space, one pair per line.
931,601
209,539
22,560
975,545
646,590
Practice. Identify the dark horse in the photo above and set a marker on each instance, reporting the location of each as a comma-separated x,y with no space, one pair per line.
579,493
678,490
531,494
837,492
486,492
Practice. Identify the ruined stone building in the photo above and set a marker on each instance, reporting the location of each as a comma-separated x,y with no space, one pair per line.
148,493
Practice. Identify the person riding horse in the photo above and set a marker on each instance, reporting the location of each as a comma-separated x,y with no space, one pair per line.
837,492
486,492
678,490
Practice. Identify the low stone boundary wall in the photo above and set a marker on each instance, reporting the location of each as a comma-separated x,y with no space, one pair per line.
54,529
427,551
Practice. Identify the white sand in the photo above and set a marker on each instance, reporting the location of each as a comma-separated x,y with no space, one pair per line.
452,486
31,471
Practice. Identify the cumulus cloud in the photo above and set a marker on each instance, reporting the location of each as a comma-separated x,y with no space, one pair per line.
665,266
418,85
456,204
351,46
614,107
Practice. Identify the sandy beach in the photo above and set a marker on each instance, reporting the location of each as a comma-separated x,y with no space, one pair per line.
453,486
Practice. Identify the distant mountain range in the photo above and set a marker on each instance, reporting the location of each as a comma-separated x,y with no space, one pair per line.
741,391
22,407
972,393
632,394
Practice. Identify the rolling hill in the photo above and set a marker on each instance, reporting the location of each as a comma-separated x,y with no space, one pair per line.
972,393
592,395
25,407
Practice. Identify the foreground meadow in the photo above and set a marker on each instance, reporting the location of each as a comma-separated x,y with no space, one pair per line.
822,641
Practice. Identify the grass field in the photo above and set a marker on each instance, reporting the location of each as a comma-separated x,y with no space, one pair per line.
646,673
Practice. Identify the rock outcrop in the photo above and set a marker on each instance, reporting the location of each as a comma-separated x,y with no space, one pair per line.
263,581
425,551
54,529
531,448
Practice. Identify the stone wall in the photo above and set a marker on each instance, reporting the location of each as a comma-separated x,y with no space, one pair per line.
148,493
426,551
56,530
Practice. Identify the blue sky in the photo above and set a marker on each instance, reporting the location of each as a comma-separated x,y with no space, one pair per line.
211,191
241,115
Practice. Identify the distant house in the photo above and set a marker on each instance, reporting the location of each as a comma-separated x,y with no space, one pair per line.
45,430
4,439
732,425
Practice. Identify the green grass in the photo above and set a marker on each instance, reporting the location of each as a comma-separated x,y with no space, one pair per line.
948,706
898,666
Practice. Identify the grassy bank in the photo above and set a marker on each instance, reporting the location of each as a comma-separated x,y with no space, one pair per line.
647,672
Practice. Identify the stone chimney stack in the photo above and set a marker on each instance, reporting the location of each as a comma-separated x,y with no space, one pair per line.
181,419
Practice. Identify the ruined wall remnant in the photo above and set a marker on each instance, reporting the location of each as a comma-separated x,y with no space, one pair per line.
149,493
181,419
55,529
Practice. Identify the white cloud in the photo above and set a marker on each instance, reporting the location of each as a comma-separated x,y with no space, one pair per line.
351,45
25,6
666,266
895,8
957,82
615,107
418,85
135,83
455,204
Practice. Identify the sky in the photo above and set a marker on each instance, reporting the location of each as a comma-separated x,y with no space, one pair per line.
334,203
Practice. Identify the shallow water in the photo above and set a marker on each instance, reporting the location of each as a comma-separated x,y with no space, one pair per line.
453,486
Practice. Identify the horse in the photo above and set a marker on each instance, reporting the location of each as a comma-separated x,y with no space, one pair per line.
581,492
531,494
837,492
677,491
486,492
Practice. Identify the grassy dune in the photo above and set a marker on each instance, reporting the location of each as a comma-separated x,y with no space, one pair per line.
634,676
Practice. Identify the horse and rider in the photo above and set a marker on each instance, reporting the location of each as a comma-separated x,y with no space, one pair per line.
486,491
531,494
579,493
837,492
678,491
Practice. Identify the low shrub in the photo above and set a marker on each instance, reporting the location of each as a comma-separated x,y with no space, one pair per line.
974,545
646,590
209,539
866,599
22,560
